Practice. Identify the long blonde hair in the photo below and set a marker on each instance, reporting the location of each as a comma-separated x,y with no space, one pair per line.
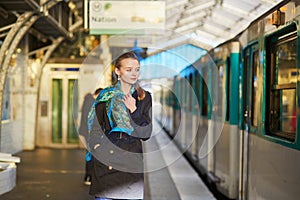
117,64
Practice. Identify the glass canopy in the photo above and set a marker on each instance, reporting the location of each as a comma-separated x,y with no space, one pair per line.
212,22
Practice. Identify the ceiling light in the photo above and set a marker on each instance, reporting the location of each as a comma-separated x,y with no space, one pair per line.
200,7
173,4
190,18
188,26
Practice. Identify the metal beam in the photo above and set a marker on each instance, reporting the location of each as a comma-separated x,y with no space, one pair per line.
37,50
55,23
34,5
45,12
5,28
14,44
76,25
3,13
39,35
10,37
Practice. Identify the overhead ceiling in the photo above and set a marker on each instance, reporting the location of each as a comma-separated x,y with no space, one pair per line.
211,22
207,23
204,23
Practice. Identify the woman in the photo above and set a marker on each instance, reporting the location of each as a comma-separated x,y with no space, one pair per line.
119,119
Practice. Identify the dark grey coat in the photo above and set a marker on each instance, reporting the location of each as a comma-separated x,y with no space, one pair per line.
86,107
83,128
118,167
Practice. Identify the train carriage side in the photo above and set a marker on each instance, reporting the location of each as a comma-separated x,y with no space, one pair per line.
209,92
176,105
190,114
270,141
183,115
196,123
204,99
224,156
166,101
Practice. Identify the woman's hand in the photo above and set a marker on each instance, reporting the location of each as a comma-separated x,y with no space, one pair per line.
129,102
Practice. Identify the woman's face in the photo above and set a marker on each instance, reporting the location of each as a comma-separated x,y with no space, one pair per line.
129,71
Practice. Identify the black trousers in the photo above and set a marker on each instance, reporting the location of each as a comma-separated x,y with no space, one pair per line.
89,167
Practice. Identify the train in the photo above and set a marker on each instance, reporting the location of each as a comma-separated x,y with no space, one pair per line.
234,112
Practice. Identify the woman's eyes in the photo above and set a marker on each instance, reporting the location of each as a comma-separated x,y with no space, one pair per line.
129,70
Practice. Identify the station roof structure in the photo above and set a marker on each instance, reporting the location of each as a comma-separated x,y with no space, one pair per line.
208,23
203,23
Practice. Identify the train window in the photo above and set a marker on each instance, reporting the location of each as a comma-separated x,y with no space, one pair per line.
190,96
177,94
227,88
245,77
251,85
205,104
254,87
186,94
197,88
282,86
221,90
183,93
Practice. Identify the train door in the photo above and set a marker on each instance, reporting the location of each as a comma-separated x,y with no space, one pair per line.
64,106
250,110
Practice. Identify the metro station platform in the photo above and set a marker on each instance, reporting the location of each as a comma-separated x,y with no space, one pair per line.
58,174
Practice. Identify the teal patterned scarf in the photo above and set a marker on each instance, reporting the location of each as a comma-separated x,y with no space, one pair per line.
118,116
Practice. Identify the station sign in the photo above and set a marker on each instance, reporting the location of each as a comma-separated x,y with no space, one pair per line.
118,17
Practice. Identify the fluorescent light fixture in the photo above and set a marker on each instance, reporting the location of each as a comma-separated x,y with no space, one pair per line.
190,18
172,4
205,34
201,6
188,26
207,41
241,9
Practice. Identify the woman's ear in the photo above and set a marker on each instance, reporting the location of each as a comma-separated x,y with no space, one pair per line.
117,71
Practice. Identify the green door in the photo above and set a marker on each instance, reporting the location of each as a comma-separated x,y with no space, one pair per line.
72,136
64,111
